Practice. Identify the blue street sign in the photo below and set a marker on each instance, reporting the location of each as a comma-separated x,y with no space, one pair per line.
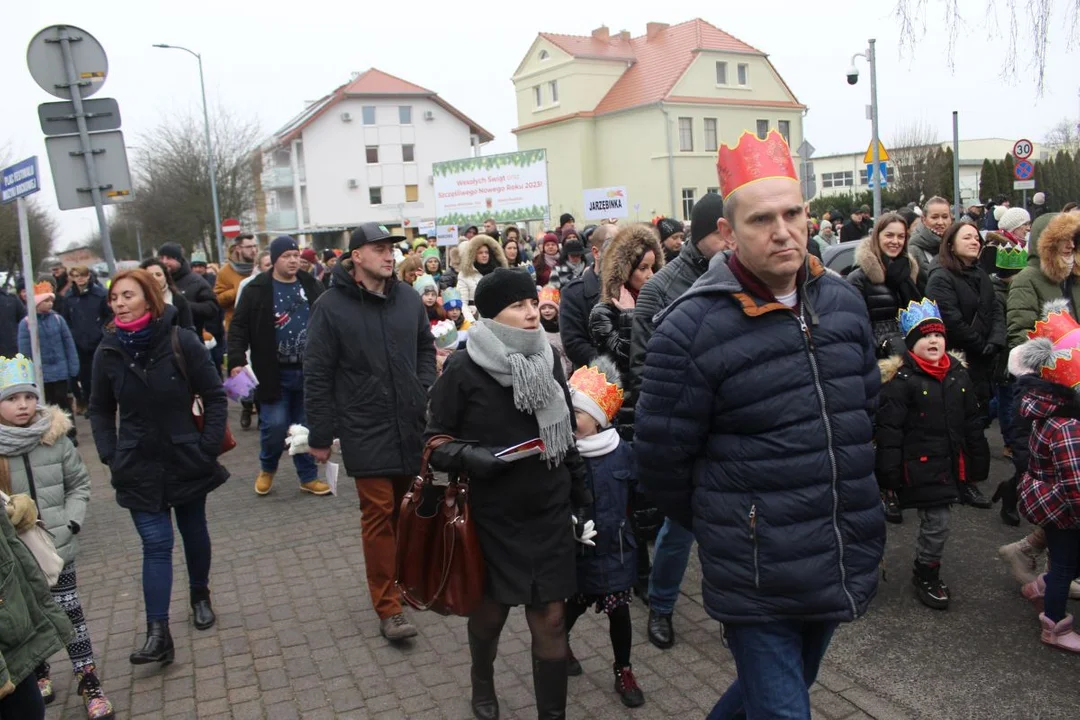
871,176
1023,170
19,180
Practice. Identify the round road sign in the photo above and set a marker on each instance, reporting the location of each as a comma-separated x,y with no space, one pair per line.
45,58
1023,170
1022,149
230,227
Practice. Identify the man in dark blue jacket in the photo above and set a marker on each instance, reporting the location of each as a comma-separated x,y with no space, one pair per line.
87,312
753,429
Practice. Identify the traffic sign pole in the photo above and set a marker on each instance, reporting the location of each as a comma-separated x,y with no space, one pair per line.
28,283
874,124
65,40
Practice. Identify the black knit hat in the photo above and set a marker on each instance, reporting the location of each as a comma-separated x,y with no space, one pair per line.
668,227
565,218
171,250
704,216
280,245
503,287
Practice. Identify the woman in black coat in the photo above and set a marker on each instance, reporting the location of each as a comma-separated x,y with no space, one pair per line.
522,509
974,322
888,277
147,368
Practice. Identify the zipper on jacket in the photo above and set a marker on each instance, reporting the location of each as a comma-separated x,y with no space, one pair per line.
621,525
753,538
809,341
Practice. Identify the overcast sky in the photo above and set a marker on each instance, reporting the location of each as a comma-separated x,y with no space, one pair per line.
264,58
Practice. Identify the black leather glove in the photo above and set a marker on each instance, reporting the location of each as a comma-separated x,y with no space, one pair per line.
481,463
991,349
74,526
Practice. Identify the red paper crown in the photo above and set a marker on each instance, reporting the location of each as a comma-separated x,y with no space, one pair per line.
753,159
1060,328
591,382
549,294
43,288
1063,370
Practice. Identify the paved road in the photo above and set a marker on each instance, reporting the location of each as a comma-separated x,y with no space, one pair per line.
297,638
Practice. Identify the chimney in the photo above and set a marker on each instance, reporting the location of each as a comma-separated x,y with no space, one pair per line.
654,28
601,33
625,36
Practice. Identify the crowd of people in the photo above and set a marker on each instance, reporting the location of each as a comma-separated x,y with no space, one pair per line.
705,381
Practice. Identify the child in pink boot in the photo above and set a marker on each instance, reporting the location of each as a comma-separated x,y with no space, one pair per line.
1050,489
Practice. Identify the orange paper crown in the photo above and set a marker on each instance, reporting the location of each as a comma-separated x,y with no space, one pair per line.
753,159
1063,370
549,294
592,383
1059,327
43,288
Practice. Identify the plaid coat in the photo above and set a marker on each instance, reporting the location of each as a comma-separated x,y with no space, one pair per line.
1050,488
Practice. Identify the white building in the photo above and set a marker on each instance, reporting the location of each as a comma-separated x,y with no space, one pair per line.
363,153
846,173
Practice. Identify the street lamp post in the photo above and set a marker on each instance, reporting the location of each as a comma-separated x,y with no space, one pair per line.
870,56
209,150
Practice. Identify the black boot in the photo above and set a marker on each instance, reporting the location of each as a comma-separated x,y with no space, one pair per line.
158,647
485,704
971,495
549,684
1006,493
661,631
202,614
928,586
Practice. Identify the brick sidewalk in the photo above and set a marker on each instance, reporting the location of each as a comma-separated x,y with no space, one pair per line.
296,636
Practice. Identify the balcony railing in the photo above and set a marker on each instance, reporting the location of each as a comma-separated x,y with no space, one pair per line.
281,220
280,178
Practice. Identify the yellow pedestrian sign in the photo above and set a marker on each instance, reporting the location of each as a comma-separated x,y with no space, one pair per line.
883,154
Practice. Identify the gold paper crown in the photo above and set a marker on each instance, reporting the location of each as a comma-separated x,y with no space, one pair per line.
43,288
594,384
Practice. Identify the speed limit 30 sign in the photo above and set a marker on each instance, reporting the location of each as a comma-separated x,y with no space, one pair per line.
1022,149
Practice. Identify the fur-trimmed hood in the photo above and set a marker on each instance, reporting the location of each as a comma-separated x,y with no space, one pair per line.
1053,261
59,425
891,365
622,255
468,254
868,257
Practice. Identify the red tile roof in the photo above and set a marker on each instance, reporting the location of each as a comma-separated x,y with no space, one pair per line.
372,83
657,63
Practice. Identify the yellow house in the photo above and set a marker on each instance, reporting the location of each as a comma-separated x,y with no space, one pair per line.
646,112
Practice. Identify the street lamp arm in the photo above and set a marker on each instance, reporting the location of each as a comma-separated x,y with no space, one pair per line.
166,46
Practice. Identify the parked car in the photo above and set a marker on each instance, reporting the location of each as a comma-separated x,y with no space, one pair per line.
840,258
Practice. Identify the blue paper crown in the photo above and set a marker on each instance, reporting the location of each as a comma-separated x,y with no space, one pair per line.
18,370
918,312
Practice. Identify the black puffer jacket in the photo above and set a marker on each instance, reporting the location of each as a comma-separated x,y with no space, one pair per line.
929,433
883,302
369,362
969,308
205,311
158,458
575,307
252,327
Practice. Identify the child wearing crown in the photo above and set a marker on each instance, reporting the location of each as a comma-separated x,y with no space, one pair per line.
929,437
37,460
606,570
59,356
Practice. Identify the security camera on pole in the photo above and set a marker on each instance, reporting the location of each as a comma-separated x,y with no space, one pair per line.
853,77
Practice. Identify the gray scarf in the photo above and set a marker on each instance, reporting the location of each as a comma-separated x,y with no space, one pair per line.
242,268
15,441
522,360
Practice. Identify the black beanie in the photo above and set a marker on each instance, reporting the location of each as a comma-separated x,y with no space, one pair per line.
279,245
565,218
502,287
171,250
704,215
668,227
924,328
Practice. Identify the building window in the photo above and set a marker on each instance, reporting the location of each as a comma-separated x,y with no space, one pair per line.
369,114
375,195
554,87
713,190
408,153
412,193
762,128
744,74
538,96
544,55
721,73
686,134
710,134
405,114
372,154
687,202
837,179
784,126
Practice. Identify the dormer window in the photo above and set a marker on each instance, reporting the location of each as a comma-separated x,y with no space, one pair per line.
544,55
